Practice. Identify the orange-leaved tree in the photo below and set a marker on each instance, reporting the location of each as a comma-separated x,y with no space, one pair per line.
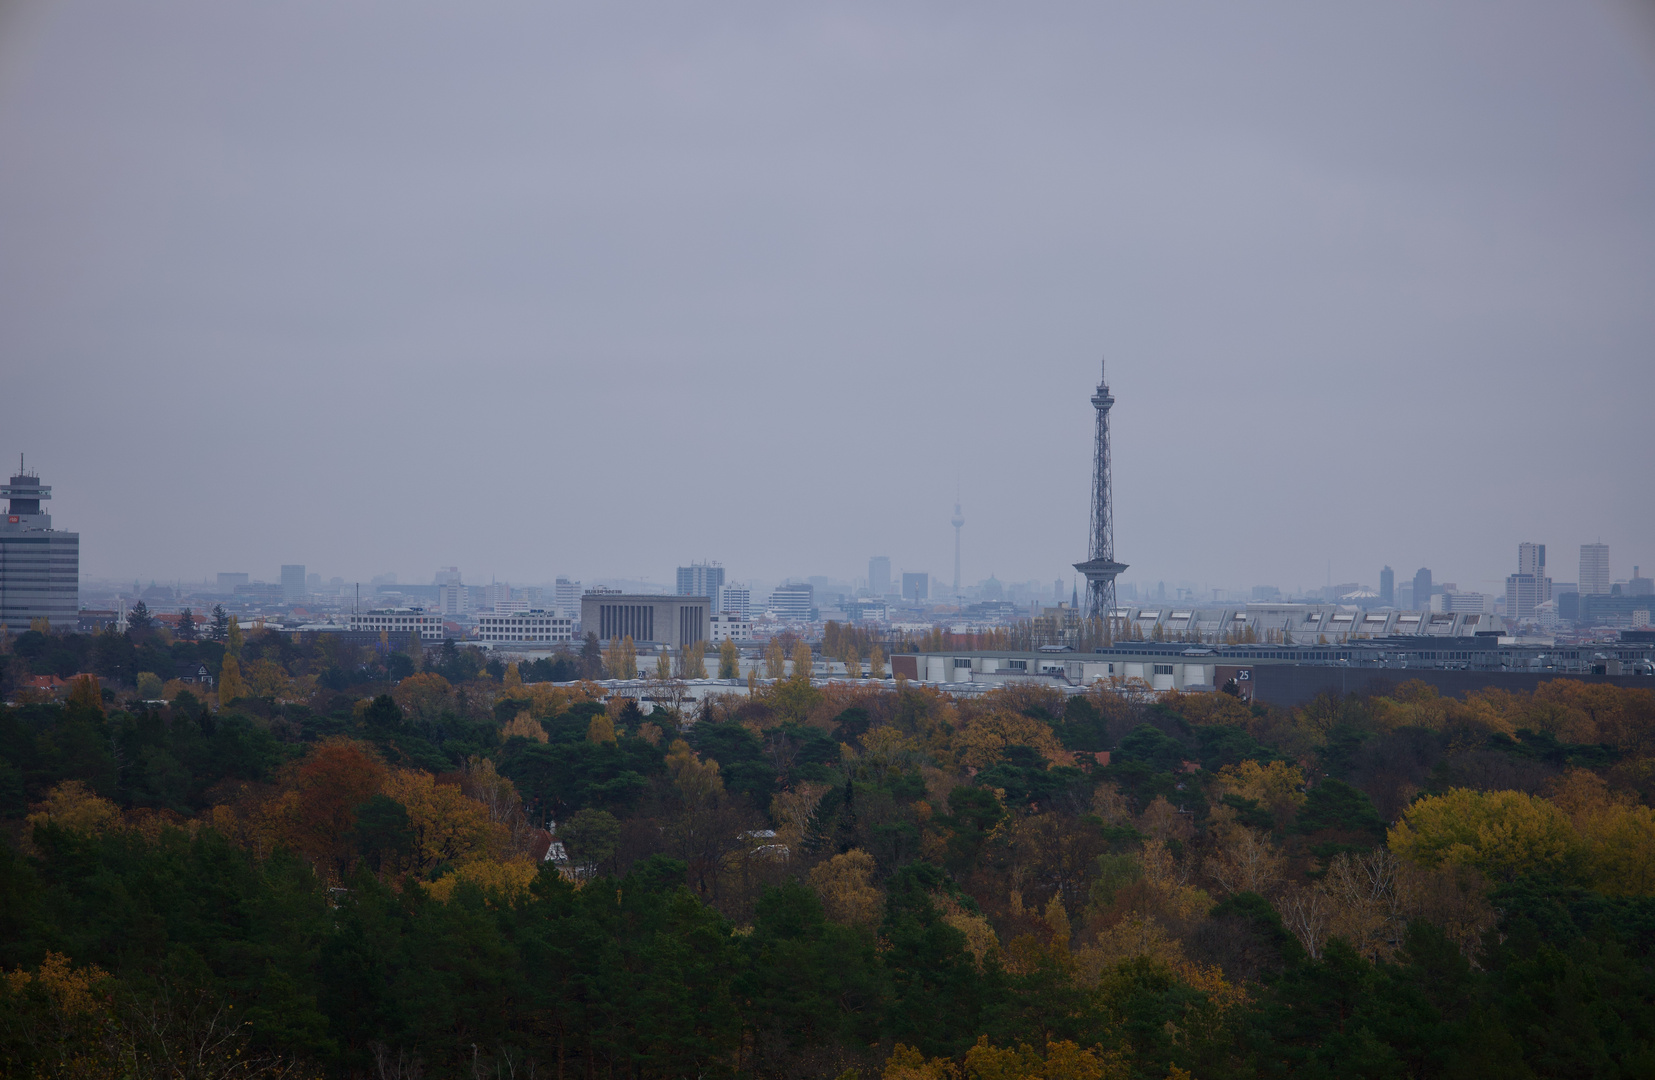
315,812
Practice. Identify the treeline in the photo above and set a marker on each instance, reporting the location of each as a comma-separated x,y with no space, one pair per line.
814,882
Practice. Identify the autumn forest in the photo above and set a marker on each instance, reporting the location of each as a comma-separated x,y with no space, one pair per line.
399,862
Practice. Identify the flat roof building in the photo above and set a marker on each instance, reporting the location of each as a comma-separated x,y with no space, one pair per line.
727,626
673,621
398,623
530,626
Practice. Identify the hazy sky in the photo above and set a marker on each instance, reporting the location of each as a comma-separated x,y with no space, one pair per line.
598,288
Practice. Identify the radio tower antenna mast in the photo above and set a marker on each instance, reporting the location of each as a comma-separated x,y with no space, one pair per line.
957,521
1100,567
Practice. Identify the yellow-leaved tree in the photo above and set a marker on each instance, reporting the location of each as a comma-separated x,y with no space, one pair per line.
443,825
600,729
267,679
729,660
230,683
876,663
775,660
1501,833
525,726
424,696
663,666
84,693
845,884
70,805
1276,786
802,663
984,737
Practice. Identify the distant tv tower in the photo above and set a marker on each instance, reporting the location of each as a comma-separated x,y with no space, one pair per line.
1100,567
959,520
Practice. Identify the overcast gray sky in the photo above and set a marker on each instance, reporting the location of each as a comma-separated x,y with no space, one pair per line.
598,288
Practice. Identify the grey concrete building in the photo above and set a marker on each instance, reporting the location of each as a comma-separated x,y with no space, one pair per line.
39,565
673,621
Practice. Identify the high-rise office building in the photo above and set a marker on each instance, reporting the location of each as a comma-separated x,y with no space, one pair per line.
1594,569
567,598
293,582
1527,589
1531,559
1422,591
879,575
1387,587
39,565
700,579
734,599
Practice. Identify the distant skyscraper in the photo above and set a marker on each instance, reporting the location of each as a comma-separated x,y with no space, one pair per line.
39,565
1387,587
1422,590
1100,566
1527,589
879,575
448,575
453,599
293,582
1594,569
700,579
568,598
916,586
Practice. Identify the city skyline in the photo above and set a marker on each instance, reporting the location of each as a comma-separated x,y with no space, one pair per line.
1330,312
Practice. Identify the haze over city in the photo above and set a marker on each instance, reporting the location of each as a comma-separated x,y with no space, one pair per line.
827,542
534,291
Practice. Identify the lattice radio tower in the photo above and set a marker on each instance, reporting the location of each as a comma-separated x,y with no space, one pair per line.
1100,567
